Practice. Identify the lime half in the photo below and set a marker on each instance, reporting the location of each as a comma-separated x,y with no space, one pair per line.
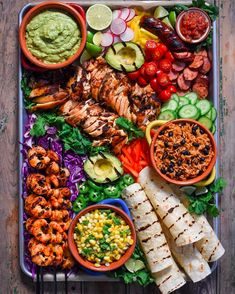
85,56
160,12
99,17
133,265
97,38
93,50
167,22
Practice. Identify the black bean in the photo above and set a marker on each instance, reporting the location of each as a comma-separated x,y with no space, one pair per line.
171,164
163,171
202,159
199,172
207,147
170,169
170,134
178,174
188,161
164,156
202,131
170,157
162,132
194,130
185,152
166,144
205,151
179,162
183,141
195,144
175,146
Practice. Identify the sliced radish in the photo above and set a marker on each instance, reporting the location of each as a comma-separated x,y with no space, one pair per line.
107,40
116,39
116,13
128,35
125,13
131,14
118,26
108,31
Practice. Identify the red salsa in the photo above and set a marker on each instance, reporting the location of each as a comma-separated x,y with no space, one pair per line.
193,25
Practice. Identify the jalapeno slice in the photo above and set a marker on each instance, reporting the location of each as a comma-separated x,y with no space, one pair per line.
128,179
83,188
94,186
111,191
122,185
79,204
96,196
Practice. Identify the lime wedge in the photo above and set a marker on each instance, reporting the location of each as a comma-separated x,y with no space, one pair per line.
99,17
133,265
160,12
89,37
85,56
167,22
188,190
93,50
97,38
172,18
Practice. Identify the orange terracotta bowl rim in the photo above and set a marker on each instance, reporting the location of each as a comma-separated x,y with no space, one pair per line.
36,10
178,22
90,265
189,181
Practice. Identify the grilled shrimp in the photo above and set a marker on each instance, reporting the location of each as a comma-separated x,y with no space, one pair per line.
56,232
68,260
63,176
42,254
37,206
40,230
53,156
29,224
53,168
57,252
59,198
37,157
53,181
37,184
60,215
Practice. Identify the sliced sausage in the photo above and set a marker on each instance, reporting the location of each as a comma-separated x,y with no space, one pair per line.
190,74
202,79
178,66
173,75
197,62
182,83
206,65
202,52
183,55
201,90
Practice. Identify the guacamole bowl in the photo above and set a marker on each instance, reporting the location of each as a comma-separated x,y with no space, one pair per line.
52,35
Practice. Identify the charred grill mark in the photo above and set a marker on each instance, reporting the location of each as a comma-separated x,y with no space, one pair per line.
149,250
146,240
164,280
145,227
185,230
213,252
162,245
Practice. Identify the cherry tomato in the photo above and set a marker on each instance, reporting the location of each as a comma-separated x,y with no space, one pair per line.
159,72
155,85
172,89
165,65
163,80
156,54
142,82
148,56
142,71
150,46
165,95
162,48
150,69
133,75
169,56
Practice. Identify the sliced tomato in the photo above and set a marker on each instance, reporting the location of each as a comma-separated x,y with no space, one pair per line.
142,82
165,95
155,85
169,56
172,89
156,54
150,46
133,75
163,80
165,65
150,69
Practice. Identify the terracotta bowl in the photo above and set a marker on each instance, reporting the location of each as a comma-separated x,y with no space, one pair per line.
36,10
87,264
178,22
189,181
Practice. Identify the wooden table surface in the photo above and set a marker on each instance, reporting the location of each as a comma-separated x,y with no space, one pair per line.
12,280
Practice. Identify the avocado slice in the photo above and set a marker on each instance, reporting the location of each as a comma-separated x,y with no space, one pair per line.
103,168
125,56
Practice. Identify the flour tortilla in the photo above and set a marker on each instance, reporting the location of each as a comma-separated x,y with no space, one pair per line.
170,279
189,258
148,228
170,210
209,246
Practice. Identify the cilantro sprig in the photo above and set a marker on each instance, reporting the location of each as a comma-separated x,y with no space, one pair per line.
132,130
205,202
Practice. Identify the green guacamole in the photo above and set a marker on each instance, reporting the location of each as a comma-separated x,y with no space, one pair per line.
53,36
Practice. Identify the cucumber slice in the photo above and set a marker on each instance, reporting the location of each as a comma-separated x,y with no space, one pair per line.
209,114
183,101
175,97
204,105
169,105
160,12
192,97
213,114
213,129
206,122
189,111
201,191
167,115
188,190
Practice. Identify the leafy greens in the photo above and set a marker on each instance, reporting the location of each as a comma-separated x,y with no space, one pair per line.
132,130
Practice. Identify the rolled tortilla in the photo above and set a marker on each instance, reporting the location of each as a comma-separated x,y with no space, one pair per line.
171,211
189,258
170,279
148,228
209,246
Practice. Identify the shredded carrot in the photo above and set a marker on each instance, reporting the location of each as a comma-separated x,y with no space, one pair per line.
131,170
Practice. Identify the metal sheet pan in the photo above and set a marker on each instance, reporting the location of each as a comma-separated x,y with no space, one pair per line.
214,94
